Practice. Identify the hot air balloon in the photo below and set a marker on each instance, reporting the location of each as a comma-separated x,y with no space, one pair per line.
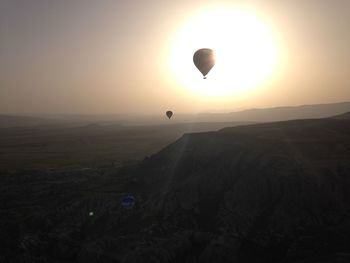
204,60
169,114
128,201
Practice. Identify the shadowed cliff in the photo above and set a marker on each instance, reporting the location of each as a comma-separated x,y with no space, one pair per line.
270,192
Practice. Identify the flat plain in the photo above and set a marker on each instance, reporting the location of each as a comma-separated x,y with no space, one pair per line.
93,145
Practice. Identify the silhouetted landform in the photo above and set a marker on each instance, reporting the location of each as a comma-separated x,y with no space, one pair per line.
265,193
90,145
47,121
344,116
254,115
282,113
20,121
251,115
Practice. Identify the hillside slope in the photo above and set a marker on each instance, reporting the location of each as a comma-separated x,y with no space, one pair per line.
268,192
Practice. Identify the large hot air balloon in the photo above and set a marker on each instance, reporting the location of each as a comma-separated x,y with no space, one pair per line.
169,114
204,60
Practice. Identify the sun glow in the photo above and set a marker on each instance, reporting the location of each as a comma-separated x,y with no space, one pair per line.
245,52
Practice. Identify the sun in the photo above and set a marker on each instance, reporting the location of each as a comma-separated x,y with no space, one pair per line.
245,52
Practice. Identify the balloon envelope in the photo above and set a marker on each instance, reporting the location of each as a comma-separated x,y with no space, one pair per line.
128,201
169,114
204,60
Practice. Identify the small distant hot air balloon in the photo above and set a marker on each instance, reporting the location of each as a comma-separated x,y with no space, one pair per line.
204,60
128,201
169,114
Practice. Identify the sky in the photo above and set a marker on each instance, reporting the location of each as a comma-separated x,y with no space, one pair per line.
103,57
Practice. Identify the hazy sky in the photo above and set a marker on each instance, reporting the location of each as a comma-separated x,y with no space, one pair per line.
87,56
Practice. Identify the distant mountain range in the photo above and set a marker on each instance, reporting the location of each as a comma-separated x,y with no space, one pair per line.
282,113
21,121
252,115
345,116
